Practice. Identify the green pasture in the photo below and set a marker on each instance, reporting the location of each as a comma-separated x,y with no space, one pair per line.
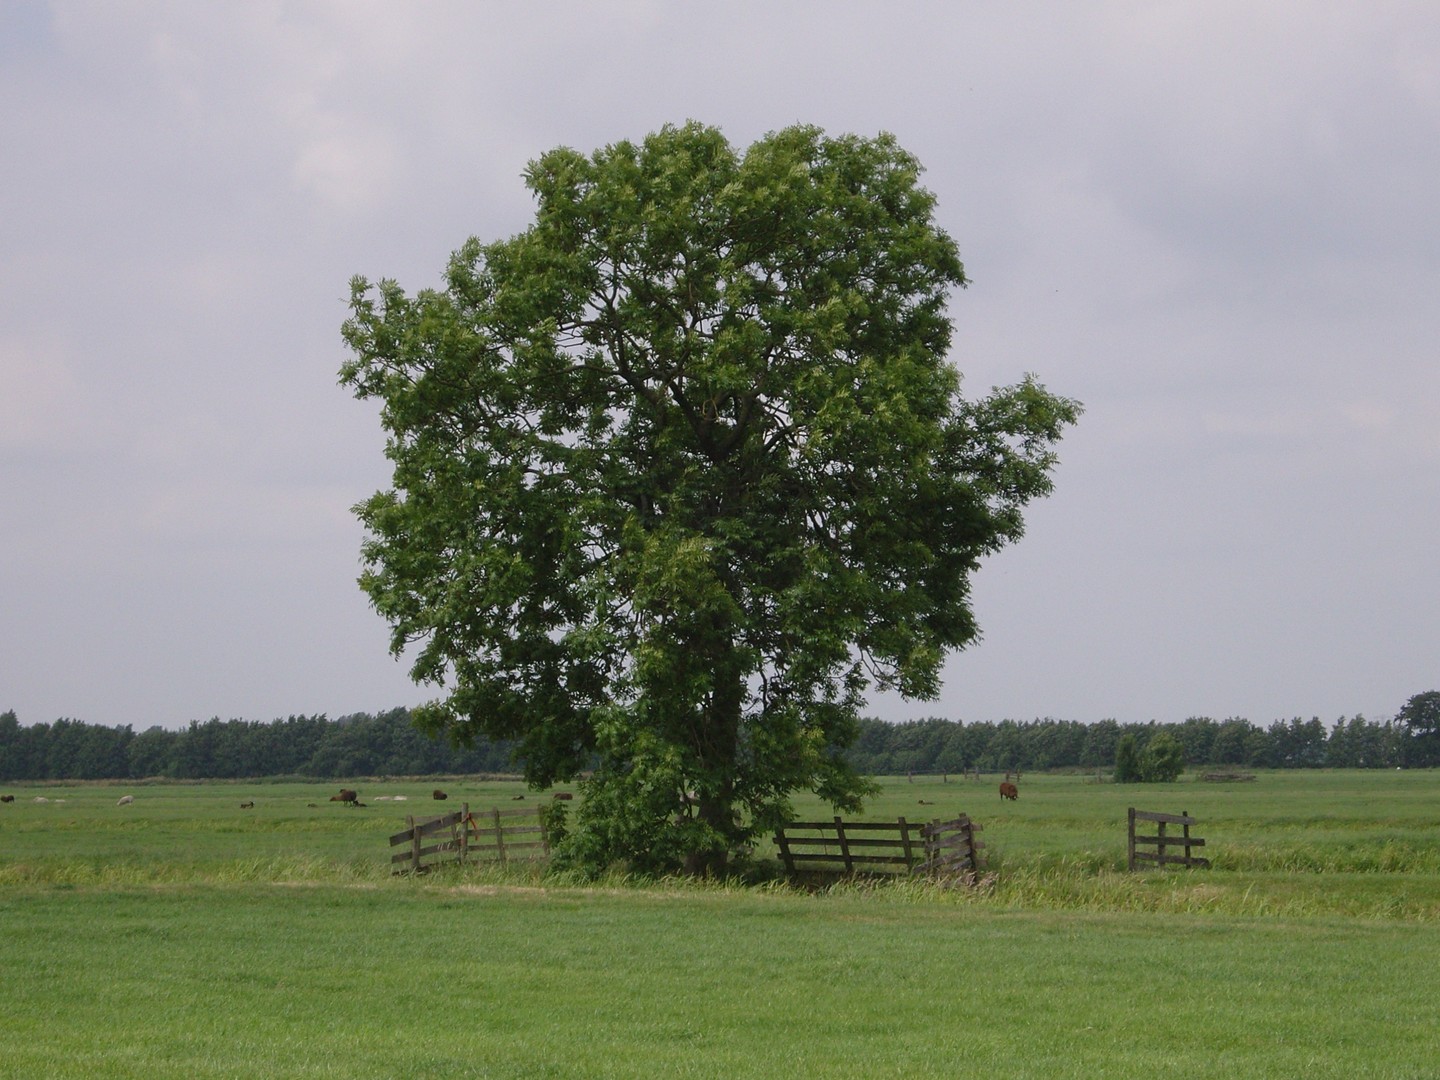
412,979
182,936
185,831
1362,843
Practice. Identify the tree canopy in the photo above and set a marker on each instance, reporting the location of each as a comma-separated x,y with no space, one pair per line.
682,471
1421,715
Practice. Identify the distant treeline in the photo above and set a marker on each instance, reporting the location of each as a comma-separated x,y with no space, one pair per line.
388,744
951,746
357,745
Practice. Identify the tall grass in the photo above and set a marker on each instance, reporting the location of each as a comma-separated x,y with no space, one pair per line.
1354,844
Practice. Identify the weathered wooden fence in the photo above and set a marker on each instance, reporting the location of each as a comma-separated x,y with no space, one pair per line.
880,846
1162,840
951,849
496,834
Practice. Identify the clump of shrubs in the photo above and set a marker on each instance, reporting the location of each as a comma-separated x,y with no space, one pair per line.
1160,761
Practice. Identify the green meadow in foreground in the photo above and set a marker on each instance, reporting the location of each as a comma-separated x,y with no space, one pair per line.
408,981
182,936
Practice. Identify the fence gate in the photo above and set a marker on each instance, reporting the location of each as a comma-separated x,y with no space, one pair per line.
501,835
1160,840
951,848
941,847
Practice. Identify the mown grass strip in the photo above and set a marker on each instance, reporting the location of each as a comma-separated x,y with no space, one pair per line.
414,979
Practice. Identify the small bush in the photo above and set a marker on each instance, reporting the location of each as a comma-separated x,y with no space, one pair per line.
1163,760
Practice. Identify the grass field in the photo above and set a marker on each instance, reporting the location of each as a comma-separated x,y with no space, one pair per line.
181,936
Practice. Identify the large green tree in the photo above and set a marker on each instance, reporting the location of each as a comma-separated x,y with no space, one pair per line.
1421,717
682,470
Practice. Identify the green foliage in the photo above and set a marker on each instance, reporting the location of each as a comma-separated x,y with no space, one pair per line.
948,746
1421,717
390,744
555,816
360,744
1128,768
681,470
1162,761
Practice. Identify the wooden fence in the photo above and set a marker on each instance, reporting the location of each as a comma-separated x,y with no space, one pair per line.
497,834
1162,840
938,847
951,849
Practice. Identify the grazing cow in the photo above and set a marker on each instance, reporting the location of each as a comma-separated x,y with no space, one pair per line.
564,796
514,798
438,794
346,796
1009,791
125,800
7,798
926,802
247,805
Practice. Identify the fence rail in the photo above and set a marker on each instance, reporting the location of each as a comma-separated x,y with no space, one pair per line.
951,848
461,836
1160,840
880,846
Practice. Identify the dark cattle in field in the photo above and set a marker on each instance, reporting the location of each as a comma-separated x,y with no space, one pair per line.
346,796
564,796
438,794
7,798
1009,791
247,806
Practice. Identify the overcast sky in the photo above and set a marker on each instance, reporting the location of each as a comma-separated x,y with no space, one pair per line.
1213,223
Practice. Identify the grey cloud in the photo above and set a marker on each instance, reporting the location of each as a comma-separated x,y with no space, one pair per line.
1209,222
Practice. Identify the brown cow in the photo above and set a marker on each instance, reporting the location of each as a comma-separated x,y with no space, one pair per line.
247,806
438,794
7,798
346,796
1009,791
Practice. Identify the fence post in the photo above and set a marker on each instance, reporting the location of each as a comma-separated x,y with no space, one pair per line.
844,845
905,839
464,832
1130,853
499,836
544,831
414,842
783,843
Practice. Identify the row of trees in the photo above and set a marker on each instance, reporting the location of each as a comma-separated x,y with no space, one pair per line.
949,746
389,743
355,745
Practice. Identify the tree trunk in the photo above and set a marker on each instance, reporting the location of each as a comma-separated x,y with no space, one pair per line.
718,742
